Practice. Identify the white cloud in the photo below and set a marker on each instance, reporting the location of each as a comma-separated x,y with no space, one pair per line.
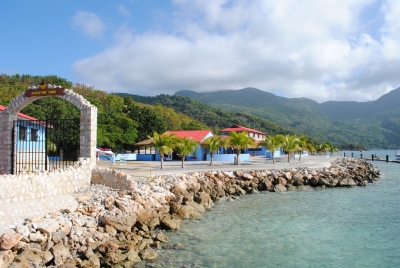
316,49
124,11
90,24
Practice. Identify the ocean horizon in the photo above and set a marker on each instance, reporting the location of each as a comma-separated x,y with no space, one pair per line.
336,227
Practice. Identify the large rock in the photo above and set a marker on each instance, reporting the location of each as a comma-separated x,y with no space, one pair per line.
107,247
9,240
148,254
199,207
113,258
123,222
188,212
47,226
161,237
37,237
33,258
282,181
133,256
247,176
204,199
60,253
280,188
346,182
313,181
6,258
171,223
180,190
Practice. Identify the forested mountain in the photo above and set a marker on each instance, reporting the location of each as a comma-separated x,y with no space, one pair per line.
215,118
373,124
121,122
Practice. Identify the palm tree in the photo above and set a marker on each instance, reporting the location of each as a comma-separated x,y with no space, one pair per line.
272,143
311,147
240,141
185,146
224,142
323,147
331,148
212,144
290,144
164,143
305,145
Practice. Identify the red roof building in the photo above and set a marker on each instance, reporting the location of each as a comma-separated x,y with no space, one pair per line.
20,116
197,135
253,133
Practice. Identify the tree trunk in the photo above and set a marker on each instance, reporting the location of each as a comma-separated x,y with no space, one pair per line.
162,158
273,159
183,159
288,157
211,155
300,155
237,158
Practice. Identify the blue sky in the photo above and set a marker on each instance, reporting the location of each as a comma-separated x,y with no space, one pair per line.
319,49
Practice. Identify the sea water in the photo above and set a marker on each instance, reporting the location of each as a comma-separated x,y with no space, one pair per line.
339,227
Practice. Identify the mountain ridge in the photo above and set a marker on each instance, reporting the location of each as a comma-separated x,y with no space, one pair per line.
374,123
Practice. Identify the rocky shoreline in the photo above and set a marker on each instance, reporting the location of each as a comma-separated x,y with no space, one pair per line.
124,227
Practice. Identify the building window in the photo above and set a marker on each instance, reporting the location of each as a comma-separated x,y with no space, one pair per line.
22,133
254,135
258,136
34,134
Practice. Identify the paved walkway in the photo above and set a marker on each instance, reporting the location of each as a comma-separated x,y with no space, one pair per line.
15,213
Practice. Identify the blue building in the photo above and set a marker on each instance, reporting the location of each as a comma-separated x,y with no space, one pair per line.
196,135
29,142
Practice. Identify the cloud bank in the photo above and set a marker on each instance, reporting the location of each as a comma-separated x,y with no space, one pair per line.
90,24
323,50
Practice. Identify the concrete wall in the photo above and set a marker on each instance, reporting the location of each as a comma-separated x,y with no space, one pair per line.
16,188
228,157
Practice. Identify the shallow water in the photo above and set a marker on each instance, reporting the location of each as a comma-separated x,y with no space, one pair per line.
341,227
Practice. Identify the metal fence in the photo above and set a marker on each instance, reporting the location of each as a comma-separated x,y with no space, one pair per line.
134,169
40,145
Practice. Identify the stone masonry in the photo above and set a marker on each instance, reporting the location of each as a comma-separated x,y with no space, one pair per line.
88,128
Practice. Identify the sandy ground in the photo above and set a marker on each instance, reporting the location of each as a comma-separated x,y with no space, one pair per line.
255,163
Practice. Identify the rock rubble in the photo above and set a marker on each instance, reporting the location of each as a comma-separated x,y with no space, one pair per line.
118,228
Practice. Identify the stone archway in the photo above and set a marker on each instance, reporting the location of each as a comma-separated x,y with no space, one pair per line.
88,128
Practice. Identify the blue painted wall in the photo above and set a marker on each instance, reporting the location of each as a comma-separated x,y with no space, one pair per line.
146,157
277,153
28,143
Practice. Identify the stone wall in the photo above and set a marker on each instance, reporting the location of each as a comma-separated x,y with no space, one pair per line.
16,188
112,178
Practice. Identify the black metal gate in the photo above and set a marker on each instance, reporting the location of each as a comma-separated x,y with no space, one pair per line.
45,145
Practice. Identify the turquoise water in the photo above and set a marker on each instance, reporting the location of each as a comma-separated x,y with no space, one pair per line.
341,227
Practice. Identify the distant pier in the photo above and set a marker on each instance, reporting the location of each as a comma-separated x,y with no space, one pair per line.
374,158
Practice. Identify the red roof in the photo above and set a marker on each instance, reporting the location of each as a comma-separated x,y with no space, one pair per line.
238,128
197,135
21,115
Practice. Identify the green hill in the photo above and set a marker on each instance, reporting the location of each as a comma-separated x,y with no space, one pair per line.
215,118
373,124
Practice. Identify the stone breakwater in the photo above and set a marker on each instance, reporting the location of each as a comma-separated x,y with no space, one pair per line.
121,227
